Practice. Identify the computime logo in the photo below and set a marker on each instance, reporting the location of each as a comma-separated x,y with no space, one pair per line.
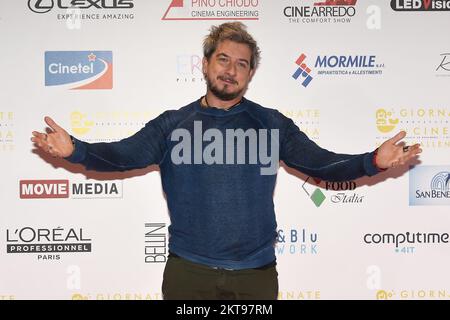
79,69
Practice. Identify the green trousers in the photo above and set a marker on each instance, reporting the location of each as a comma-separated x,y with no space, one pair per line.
185,280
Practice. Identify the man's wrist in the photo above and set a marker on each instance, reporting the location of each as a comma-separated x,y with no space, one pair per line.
374,161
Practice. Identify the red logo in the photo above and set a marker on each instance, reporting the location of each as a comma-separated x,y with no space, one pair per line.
40,189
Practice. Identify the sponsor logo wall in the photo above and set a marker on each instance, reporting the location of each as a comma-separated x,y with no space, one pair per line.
336,67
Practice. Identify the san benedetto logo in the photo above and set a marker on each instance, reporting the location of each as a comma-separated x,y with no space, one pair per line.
420,5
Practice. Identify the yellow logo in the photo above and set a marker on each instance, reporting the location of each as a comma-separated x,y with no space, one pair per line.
383,295
78,296
79,124
385,121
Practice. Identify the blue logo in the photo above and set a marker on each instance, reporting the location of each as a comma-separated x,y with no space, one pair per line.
429,185
79,69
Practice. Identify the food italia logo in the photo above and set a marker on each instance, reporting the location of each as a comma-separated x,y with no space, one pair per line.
78,70
327,11
313,67
420,5
212,10
54,189
344,192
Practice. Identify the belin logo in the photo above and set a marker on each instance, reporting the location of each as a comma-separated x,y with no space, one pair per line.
212,10
79,69
420,5
302,71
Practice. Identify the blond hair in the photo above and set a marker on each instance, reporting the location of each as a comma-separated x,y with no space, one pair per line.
233,31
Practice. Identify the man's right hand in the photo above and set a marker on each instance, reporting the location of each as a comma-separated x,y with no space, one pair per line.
57,143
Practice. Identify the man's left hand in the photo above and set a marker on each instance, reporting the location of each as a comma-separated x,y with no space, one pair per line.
391,154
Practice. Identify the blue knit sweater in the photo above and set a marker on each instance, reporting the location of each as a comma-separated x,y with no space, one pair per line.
222,214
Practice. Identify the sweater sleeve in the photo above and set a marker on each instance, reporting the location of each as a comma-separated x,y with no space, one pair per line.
301,153
144,148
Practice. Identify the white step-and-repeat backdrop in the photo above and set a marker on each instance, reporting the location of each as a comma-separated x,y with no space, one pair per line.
350,73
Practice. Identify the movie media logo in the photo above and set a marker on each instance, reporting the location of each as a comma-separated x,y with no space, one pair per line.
406,242
420,5
44,6
47,243
329,11
296,241
212,10
337,65
57,189
77,70
155,243
429,185
342,196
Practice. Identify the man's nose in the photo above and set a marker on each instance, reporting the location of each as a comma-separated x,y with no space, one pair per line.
231,69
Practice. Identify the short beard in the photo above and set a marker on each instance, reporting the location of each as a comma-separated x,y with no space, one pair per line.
221,94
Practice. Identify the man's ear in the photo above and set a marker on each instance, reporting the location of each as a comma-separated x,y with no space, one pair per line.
252,73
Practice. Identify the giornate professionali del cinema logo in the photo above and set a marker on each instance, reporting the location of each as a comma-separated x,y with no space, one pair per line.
79,69
429,185
420,5
6,131
326,11
212,10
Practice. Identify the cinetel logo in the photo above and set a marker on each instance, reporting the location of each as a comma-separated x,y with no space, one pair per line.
44,6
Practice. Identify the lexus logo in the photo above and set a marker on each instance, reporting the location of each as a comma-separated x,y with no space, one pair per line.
40,6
